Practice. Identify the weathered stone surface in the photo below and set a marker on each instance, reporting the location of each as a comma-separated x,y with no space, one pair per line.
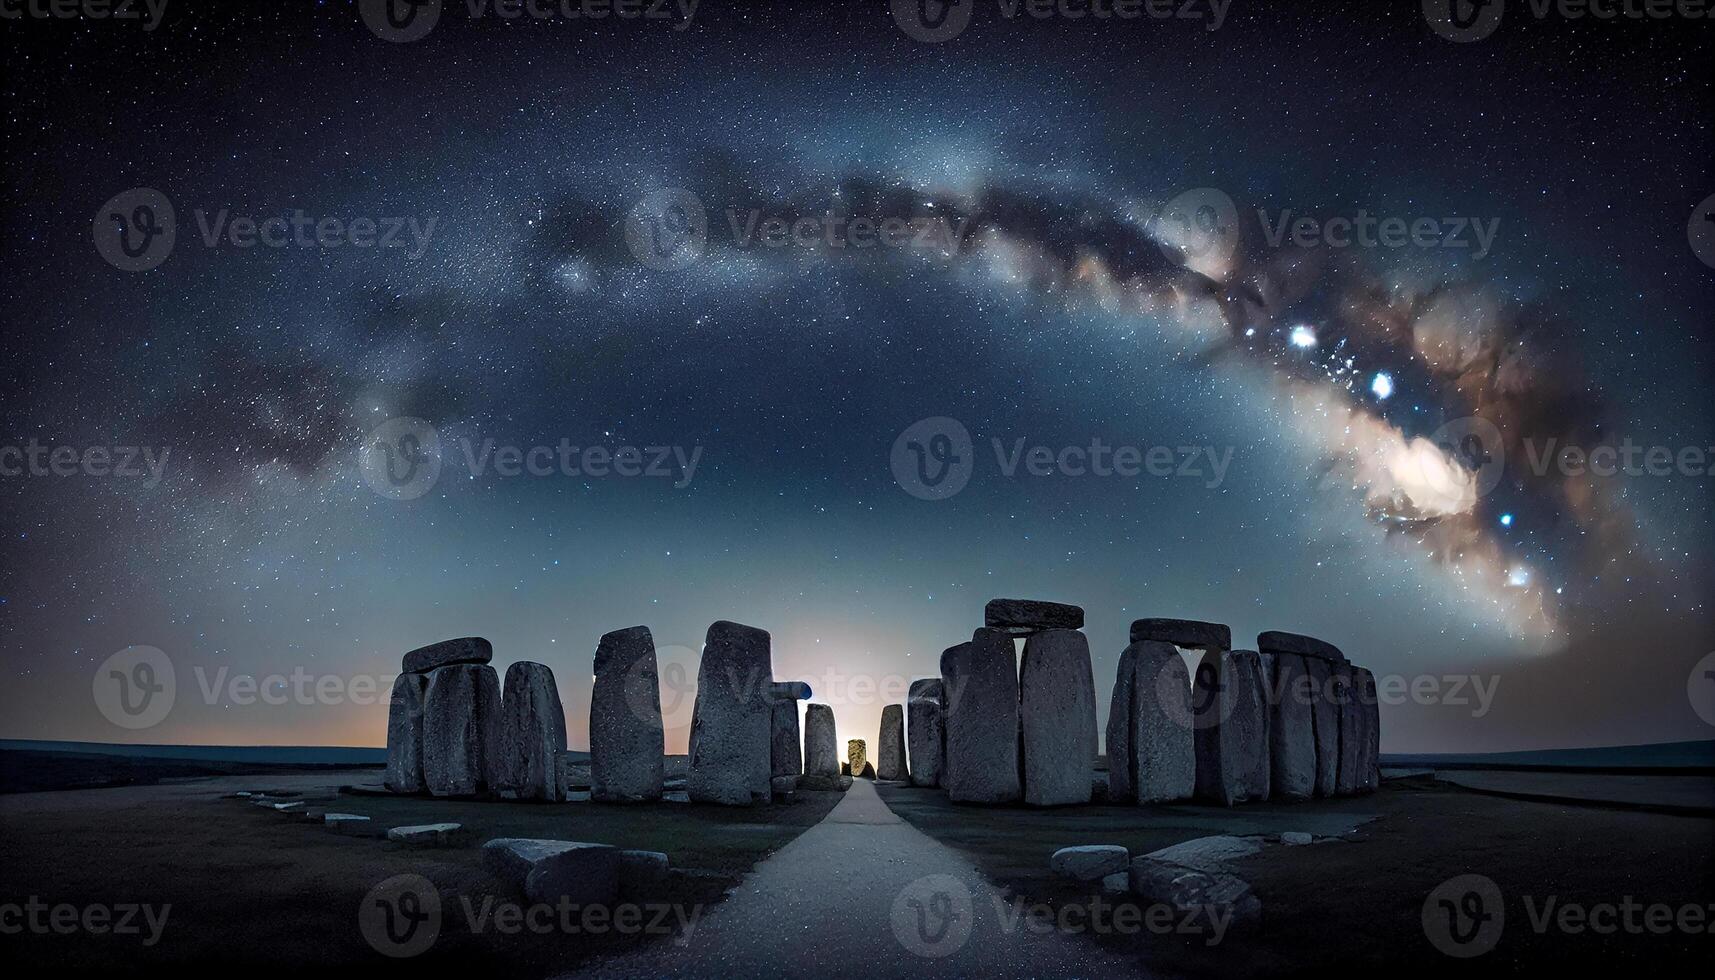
1213,853
461,731
1232,728
1325,724
1122,762
982,719
1159,749
346,823
836,783
1189,889
1275,641
642,874
1369,730
856,756
1192,634
405,734
627,743
784,752
925,730
1291,732
783,786
1057,705
427,835
587,875
1118,883
947,694
868,770
890,760
1021,617
1296,838
1090,861
1351,730
821,750
532,732
464,650
732,758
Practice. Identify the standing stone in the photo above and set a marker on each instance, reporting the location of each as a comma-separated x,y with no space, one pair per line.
461,731
925,730
1021,617
627,742
1369,730
1291,732
465,650
890,746
855,756
532,732
1057,704
982,719
1191,634
821,751
1122,764
949,693
1232,728
1161,754
405,734
1324,724
732,758
785,745
1350,729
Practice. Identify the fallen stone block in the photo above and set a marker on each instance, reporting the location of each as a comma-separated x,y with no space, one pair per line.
1232,728
427,835
1191,634
461,731
732,760
551,871
890,760
643,875
1088,862
405,734
627,741
925,730
1211,853
346,823
1057,707
821,754
1021,617
982,719
532,732
464,650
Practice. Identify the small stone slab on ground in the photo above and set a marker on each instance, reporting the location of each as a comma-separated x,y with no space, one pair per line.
1088,862
1207,853
550,870
346,823
427,834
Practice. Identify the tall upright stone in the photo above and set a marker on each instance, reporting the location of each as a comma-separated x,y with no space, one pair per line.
1122,763
821,749
857,756
890,760
785,744
1369,730
461,731
1291,733
1057,705
982,719
1350,718
405,733
1324,724
925,730
1232,728
1156,750
948,692
733,757
532,732
627,740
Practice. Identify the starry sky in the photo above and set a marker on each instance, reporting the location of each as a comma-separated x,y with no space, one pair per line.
1067,304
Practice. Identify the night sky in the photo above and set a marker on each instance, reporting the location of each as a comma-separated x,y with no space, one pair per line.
1327,379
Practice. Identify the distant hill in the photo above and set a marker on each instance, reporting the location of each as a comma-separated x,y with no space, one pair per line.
1674,756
